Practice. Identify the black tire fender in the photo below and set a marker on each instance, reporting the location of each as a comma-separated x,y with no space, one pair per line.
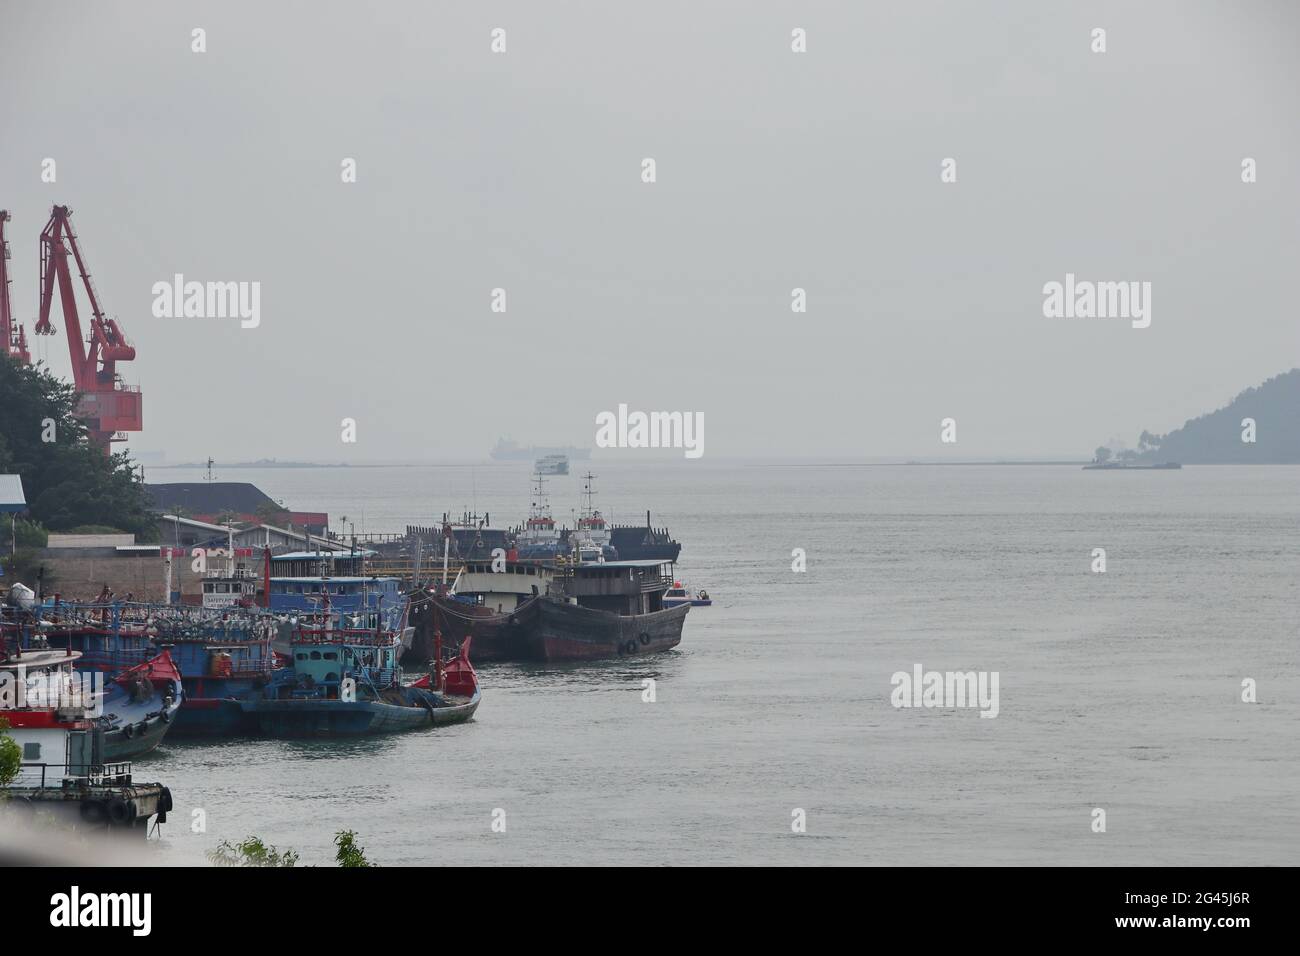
119,811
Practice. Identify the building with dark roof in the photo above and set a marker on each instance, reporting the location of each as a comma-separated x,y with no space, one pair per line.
209,500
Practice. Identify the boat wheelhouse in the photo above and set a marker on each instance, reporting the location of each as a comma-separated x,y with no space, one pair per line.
539,539
306,564
234,586
351,596
589,542
307,581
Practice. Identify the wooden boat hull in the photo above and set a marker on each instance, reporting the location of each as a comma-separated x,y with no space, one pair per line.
544,629
496,637
565,632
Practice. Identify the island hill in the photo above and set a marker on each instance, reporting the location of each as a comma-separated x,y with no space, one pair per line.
1216,438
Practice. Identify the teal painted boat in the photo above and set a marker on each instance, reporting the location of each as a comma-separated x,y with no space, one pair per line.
346,681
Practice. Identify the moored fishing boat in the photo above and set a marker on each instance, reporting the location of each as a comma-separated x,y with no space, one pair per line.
589,541
346,681
139,708
539,539
221,654
526,611
567,631
222,662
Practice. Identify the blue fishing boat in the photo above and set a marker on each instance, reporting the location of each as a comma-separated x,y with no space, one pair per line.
223,662
346,681
221,655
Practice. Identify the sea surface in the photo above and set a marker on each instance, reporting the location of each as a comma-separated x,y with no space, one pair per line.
1119,690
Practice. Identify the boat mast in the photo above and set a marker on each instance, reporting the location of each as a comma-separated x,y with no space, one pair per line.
586,490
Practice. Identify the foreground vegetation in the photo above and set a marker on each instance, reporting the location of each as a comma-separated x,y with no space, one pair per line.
67,483
251,851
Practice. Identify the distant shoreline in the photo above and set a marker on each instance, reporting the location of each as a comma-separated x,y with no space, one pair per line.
800,462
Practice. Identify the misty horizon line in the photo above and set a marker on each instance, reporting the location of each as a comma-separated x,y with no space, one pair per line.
463,462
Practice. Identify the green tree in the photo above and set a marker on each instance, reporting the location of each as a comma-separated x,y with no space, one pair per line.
11,756
251,851
349,853
67,481
1101,454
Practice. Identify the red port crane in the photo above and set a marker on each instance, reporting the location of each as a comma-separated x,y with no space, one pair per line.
12,337
105,404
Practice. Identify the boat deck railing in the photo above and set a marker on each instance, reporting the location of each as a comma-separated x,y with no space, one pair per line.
67,774
346,635
382,677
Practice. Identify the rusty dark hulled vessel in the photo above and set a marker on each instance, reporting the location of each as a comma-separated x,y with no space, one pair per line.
557,612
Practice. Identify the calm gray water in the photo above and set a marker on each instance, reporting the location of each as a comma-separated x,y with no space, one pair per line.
1118,690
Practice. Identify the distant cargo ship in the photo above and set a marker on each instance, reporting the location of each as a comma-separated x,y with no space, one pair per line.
507,450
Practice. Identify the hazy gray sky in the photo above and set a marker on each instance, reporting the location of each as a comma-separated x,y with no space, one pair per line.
775,170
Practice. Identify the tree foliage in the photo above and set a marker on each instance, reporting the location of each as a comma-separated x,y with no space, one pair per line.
67,481
349,854
11,755
251,851
1216,437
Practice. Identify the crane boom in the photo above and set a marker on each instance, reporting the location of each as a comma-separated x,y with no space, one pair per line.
106,404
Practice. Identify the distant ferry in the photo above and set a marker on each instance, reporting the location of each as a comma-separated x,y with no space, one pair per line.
507,450
552,465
